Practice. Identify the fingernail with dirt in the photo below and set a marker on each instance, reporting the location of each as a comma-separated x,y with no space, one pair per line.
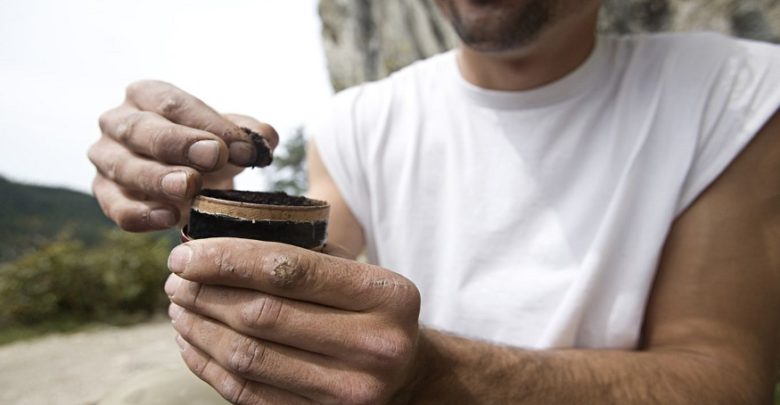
162,218
204,154
175,184
242,153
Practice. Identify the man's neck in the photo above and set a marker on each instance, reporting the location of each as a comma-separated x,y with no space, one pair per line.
553,55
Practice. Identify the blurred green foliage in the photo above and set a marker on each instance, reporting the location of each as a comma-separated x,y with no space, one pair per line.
32,216
288,172
67,281
777,392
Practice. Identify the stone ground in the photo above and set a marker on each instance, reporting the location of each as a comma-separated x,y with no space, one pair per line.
80,368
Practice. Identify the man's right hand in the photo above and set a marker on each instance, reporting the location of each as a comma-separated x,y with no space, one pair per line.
160,147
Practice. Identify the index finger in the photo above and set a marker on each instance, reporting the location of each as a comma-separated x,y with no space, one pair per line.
182,108
291,272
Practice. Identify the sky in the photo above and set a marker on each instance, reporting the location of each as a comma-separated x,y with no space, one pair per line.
62,63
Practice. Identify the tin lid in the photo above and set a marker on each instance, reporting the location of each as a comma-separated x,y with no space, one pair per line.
261,206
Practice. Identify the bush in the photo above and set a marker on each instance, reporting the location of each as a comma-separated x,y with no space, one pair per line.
288,172
123,275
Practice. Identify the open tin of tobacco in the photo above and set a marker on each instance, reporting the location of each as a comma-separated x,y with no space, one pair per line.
267,216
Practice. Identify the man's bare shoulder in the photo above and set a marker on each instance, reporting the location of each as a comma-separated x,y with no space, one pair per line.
717,292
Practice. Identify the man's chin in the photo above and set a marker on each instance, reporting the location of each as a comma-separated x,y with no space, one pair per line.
500,48
482,3
480,8
497,26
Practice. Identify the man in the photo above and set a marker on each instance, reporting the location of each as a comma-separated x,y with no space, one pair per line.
585,219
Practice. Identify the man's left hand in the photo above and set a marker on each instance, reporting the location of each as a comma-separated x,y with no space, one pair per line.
270,323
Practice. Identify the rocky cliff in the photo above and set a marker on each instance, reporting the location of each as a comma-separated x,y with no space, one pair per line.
369,39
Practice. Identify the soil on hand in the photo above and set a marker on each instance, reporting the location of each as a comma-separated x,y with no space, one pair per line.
263,154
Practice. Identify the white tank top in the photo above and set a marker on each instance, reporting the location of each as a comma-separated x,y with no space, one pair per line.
536,218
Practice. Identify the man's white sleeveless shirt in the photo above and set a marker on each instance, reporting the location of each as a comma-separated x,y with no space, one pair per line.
536,218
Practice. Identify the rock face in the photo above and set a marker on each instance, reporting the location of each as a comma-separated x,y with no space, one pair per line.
369,39
754,19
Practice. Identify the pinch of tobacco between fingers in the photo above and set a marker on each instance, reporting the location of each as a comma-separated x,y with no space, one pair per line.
263,155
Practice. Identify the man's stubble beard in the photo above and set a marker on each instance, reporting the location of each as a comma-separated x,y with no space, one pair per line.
503,30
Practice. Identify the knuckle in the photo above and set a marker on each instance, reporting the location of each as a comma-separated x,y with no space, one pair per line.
290,271
211,126
246,355
233,390
103,201
411,300
394,293
262,313
194,363
387,348
194,291
104,121
93,154
164,140
125,128
97,191
363,391
135,87
223,262
132,89
172,104
139,87
199,366
114,169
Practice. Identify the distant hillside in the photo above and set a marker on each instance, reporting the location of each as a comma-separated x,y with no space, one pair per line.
33,215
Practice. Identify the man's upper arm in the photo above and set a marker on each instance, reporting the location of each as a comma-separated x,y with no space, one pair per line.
343,228
717,292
